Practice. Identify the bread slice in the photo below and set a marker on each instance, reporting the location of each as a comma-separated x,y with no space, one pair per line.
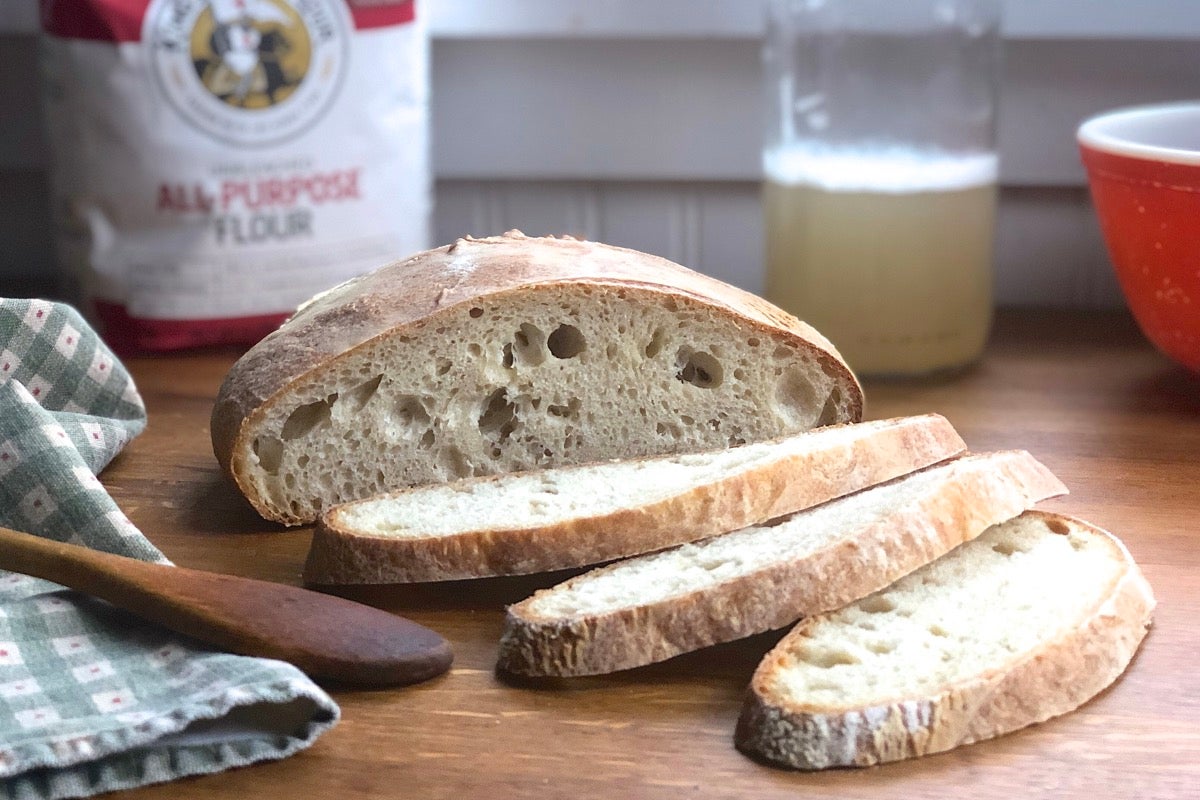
1029,621
652,607
511,353
573,516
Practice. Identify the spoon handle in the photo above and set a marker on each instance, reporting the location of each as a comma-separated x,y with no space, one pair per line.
325,636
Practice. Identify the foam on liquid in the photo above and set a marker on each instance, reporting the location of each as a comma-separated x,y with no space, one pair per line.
891,170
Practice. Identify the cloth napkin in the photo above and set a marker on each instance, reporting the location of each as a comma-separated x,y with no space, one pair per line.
93,699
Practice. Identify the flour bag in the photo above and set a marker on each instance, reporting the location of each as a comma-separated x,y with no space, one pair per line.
216,162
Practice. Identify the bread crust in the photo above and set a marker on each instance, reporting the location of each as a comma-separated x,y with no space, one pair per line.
775,596
398,297
1031,687
887,449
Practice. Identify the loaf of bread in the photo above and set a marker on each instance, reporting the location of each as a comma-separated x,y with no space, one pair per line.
511,353
563,517
652,607
1027,622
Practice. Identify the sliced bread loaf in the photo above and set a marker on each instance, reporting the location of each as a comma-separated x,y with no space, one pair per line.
652,607
573,516
1027,622
511,353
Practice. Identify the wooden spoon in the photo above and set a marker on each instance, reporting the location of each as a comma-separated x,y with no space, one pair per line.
327,637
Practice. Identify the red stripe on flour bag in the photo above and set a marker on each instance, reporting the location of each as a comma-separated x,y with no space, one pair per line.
121,20
126,334
98,20
381,13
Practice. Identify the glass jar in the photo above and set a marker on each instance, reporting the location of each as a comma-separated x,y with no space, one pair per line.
880,175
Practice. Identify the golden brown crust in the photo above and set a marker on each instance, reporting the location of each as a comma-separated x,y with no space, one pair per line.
887,449
872,557
1031,687
403,294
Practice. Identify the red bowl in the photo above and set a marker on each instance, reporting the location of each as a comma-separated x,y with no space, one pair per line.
1143,166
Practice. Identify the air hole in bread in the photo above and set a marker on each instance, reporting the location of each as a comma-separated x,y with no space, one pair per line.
698,368
686,420
566,342
938,630
499,417
474,350
794,396
658,340
1057,526
828,659
877,604
666,430
360,395
306,418
569,411
270,453
1007,548
410,412
476,312
753,341
453,463
1077,543
529,345
829,413
426,440
442,366
507,360
610,352
882,646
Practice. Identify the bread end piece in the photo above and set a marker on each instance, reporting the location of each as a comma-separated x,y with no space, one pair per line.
1038,684
439,344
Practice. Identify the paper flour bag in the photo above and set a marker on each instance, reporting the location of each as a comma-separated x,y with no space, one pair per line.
216,162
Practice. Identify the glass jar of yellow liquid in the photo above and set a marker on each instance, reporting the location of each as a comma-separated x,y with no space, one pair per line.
880,176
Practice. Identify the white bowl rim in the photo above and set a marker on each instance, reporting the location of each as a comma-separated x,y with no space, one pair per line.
1092,132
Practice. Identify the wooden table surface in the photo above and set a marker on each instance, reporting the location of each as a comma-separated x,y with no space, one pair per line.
1116,421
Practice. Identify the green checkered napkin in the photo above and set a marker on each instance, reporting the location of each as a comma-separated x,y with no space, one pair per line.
92,699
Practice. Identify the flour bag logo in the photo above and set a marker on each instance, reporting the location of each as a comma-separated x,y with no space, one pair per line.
248,72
